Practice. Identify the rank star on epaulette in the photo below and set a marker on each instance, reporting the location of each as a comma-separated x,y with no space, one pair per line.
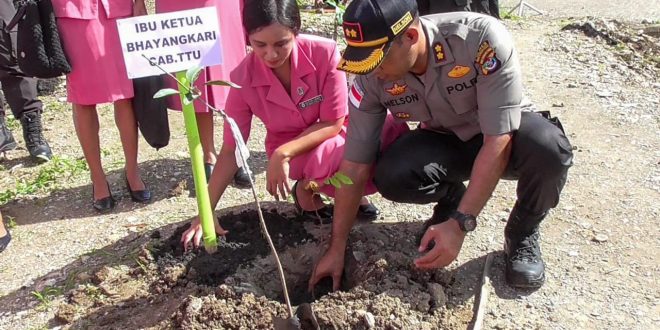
439,52
397,89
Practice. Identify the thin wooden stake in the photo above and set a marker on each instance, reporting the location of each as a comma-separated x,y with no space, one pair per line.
483,294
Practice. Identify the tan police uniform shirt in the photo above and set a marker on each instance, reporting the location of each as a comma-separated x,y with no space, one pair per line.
473,85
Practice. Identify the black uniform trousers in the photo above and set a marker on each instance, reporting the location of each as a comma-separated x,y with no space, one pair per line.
20,91
424,166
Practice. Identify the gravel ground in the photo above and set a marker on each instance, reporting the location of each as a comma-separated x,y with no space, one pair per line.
600,244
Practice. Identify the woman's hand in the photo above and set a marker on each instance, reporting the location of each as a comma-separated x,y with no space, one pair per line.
277,176
139,8
195,233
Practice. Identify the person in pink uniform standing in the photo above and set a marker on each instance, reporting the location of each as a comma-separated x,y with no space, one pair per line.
233,52
89,33
291,83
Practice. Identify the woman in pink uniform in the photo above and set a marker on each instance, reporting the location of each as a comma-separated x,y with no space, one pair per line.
291,83
91,42
233,52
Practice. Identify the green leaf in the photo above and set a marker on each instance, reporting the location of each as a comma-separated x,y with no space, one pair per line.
336,183
165,92
222,83
343,178
192,74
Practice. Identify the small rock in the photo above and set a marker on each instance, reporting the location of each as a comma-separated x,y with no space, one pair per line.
438,295
367,318
558,105
83,277
604,94
600,238
573,253
571,85
62,99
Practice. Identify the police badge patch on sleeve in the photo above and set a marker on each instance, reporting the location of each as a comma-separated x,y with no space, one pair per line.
487,60
355,95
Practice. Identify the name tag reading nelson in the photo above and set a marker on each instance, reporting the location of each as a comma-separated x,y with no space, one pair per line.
175,41
310,102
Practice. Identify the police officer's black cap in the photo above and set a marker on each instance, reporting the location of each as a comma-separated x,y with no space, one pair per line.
369,28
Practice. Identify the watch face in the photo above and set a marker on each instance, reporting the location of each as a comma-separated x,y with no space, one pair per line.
470,224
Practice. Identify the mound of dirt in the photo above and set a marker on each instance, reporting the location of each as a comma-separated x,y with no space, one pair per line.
238,287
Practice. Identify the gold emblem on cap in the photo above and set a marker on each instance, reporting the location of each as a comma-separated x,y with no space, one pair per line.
365,65
402,23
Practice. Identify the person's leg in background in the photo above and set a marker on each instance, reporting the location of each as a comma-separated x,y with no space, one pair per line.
86,122
21,94
7,141
128,133
5,236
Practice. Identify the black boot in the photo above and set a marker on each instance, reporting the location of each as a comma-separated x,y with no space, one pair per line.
34,138
7,141
524,264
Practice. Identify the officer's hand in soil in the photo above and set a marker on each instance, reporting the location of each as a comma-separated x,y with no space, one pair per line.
447,238
330,265
194,233
277,174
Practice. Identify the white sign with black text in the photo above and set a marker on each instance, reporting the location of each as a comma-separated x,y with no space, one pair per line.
175,41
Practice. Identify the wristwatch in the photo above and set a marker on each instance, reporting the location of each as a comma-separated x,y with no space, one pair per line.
467,222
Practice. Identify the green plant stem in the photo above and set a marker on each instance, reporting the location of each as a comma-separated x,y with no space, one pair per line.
196,154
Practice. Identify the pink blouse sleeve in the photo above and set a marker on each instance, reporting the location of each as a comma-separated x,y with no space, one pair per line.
240,111
335,91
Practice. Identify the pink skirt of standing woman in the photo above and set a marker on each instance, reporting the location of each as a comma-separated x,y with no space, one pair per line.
89,33
233,52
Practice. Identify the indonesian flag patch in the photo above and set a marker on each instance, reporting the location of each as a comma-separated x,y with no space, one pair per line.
355,95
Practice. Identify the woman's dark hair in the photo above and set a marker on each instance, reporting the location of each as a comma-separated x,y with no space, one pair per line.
258,14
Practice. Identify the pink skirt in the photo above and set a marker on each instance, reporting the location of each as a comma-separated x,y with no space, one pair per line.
323,161
233,49
98,73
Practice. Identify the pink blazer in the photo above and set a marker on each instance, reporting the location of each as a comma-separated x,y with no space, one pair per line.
89,9
318,93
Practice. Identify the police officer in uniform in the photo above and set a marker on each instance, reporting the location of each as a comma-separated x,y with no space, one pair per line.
458,75
21,94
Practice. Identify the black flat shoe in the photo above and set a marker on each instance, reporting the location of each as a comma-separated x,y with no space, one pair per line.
368,212
4,240
104,204
208,169
321,216
139,196
242,178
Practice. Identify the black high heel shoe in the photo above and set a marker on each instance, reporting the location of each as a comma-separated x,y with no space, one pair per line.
104,204
322,216
138,196
368,212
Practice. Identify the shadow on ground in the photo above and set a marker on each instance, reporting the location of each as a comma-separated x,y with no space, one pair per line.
165,178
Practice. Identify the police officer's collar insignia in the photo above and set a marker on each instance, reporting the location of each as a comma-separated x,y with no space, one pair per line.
458,71
439,52
397,89
402,115
300,91
487,59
